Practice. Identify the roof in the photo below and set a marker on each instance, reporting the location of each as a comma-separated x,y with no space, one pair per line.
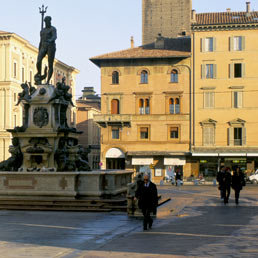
173,48
3,32
226,18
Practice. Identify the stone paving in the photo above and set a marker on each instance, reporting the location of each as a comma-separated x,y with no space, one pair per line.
195,223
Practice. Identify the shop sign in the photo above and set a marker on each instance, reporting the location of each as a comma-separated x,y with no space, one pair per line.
203,161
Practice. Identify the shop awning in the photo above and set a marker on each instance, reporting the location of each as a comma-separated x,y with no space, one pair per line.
232,154
115,153
142,161
174,161
204,154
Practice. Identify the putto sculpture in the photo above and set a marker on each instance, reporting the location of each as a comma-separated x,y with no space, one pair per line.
45,142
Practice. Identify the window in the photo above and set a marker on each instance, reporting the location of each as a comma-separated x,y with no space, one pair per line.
208,99
115,106
237,43
238,70
237,99
173,133
209,71
208,44
14,69
208,135
23,74
144,106
174,76
237,136
115,77
144,133
174,106
144,76
115,133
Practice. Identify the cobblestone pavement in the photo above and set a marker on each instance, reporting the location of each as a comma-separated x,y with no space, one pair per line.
195,223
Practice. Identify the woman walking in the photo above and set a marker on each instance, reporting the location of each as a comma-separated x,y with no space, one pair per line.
238,182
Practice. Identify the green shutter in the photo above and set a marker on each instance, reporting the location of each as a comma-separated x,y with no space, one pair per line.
240,99
214,71
231,44
231,136
243,42
243,70
243,136
203,71
231,70
214,44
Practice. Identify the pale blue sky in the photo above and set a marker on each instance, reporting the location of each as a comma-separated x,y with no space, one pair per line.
87,28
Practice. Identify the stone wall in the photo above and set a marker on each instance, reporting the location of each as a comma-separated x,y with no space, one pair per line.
171,18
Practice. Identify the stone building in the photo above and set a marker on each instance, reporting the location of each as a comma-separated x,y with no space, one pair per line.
170,18
145,107
224,65
18,64
88,105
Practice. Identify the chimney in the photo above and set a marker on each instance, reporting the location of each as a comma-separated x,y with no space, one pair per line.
132,42
248,7
193,15
228,10
160,42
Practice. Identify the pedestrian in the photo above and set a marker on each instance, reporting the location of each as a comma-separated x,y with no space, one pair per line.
220,177
226,184
238,182
178,177
147,200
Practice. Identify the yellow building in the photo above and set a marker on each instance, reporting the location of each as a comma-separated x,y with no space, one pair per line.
225,93
18,64
145,107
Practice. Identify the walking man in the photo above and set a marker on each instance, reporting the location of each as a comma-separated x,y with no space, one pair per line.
220,177
226,184
147,200
238,182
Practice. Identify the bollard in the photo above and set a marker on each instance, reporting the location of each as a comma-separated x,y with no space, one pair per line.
195,182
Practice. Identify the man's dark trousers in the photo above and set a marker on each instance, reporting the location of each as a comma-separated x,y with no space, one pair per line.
147,220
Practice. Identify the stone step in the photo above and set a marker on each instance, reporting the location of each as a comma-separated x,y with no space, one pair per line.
53,208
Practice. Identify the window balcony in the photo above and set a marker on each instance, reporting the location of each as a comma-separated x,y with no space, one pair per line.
113,120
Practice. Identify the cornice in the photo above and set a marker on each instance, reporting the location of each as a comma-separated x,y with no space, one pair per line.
223,27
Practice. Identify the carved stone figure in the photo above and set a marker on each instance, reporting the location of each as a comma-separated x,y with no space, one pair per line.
15,161
25,94
47,46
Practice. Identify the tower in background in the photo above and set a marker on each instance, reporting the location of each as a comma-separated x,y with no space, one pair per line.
170,18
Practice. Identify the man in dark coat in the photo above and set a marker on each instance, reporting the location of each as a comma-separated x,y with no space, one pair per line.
226,184
220,177
147,200
238,181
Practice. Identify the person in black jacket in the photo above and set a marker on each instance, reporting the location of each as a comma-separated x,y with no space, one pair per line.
238,182
147,200
226,184
220,177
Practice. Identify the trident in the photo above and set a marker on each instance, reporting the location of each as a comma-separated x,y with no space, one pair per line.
42,10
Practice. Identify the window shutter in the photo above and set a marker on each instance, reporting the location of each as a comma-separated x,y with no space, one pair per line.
233,99
214,71
240,99
243,70
214,44
212,135
243,42
231,70
243,136
205,136
231,44
212,104
203,71
231,136
205,100
202,44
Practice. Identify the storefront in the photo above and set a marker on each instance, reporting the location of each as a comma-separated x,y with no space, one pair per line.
115,159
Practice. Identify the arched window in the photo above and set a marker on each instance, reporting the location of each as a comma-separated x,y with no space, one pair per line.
171,106
144,76
115,77
174,76
115,106
177,106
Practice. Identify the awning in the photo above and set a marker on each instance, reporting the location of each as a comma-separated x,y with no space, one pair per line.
205,154
142,161
115,153
252,154
232,154
174,161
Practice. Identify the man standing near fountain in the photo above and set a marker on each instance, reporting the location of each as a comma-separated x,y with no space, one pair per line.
47,46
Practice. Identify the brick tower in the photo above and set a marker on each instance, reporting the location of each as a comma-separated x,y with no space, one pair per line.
171,18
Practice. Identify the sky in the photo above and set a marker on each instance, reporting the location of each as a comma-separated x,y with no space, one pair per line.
87,28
